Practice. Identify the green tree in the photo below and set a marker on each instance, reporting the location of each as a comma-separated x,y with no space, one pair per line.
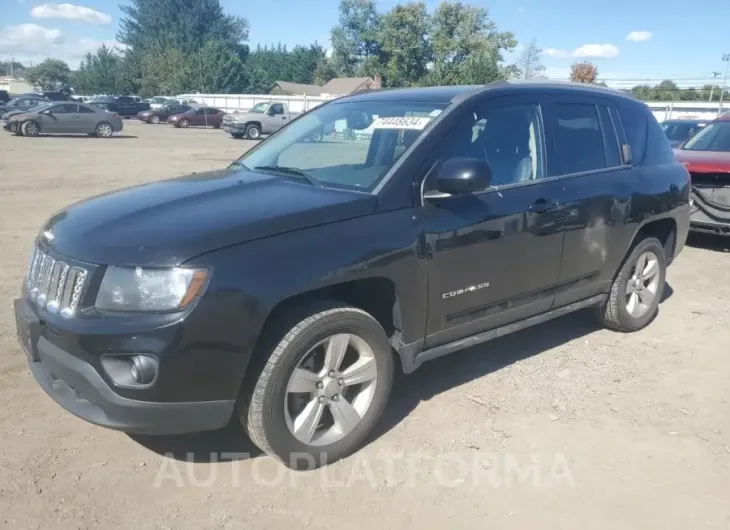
221,70
303,61
51,74
530,63
404,45
355,38
99,73
464,36
184,25
167,71
324,72
5,68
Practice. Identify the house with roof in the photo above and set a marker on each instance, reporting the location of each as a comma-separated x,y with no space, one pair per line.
339,86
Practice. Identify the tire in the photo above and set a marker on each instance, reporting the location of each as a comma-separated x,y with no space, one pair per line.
155,120
317,136
237,136
184,124
30,129
253,132
616,313
104,130
265,407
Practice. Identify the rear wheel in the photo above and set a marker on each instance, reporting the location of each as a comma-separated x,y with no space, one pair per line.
253,132
322,388
637,289
155,119
30,128
104,130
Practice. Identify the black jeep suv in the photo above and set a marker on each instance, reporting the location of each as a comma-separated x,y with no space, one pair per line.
283,290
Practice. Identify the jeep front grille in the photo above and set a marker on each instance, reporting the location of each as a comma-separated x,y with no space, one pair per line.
54,284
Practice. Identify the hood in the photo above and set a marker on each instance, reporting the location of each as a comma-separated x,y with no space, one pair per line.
704,161
168,222
176,117
144,113
13,113
243,116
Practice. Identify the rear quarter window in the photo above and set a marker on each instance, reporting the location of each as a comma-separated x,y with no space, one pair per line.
635,123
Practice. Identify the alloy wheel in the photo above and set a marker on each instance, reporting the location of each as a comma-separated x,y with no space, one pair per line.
331,390
643,284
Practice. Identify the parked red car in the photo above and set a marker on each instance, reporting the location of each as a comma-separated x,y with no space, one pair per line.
198,117
707,157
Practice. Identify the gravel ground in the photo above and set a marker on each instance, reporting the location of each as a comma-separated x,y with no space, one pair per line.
564,426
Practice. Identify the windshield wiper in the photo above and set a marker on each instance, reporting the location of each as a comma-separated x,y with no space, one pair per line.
296,172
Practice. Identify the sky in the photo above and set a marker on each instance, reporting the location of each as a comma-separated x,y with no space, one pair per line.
630,41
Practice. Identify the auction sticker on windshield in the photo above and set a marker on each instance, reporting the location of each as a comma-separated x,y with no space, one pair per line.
413,123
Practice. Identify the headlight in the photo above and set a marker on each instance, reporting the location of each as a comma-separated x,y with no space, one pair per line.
138,289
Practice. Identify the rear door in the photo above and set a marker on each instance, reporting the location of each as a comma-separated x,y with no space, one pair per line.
586,157
87,119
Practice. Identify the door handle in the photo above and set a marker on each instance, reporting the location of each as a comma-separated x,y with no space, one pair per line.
543,205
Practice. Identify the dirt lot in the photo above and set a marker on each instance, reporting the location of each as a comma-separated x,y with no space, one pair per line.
564,426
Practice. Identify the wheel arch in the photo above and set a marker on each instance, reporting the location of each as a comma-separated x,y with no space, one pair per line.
664,229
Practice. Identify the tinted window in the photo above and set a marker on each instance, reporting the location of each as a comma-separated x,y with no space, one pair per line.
277,108
635,124
65,109
125,99
610,141
86,110
209,111
509,137
578,138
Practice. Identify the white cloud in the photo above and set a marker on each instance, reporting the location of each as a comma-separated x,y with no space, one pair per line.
639,36
596,51
587,51
557,54
71,12
33,43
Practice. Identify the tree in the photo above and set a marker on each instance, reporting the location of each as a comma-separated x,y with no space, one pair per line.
99,73
355,38
583,72
405,49
460,34
221,70
17,68
530,63
324,72
167,71
180,24
51,74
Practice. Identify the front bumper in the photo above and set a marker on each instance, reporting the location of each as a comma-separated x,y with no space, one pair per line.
709,216
71,374
233,127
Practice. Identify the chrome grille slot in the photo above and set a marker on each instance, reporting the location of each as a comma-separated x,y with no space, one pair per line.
54,284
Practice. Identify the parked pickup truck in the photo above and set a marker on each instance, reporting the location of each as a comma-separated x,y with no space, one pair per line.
262,118
125,106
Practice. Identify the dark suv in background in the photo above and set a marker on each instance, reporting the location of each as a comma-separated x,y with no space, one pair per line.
282,291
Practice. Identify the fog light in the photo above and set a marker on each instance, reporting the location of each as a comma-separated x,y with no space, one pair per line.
143,369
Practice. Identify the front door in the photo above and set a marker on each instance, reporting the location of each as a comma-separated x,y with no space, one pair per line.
61,119
494,256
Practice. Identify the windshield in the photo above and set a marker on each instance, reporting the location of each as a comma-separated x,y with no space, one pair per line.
678,131
259,108
714,137
349,145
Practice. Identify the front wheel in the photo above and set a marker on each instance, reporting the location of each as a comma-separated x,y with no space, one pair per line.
237,136
184,124
155,120
30,129
637,289
253,132
322,388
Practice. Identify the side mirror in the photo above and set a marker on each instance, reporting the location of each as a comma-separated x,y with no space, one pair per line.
270,111
459,176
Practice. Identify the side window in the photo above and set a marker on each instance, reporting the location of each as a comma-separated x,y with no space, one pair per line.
277,108
508,137
610,140
65,109
85,110
636,126
211,111
578,139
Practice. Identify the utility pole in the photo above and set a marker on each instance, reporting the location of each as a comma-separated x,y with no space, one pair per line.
712,86
726,60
